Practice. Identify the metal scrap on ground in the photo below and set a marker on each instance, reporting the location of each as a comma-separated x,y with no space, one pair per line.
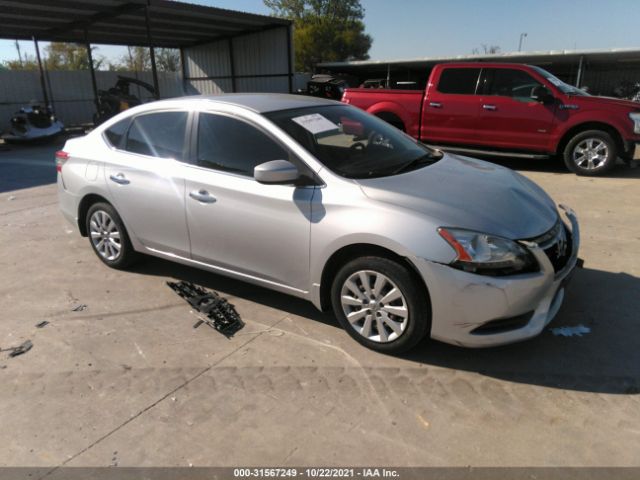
79,308
19,350
42,324
216,311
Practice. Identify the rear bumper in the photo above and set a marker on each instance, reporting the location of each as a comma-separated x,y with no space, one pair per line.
461,302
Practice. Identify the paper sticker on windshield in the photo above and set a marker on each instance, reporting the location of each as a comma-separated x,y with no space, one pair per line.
315,123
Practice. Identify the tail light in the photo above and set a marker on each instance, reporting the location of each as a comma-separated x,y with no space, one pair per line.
61,158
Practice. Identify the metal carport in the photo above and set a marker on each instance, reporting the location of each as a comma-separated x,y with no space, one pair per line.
221,50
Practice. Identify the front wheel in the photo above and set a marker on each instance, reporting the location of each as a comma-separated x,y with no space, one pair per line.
380,304
591,153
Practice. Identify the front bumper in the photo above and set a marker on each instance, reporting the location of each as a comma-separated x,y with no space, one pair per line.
461,302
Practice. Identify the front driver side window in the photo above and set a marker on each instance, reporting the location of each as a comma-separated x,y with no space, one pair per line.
231,145
516,84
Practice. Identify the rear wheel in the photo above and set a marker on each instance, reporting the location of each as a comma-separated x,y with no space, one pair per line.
591,153
108,237
379,303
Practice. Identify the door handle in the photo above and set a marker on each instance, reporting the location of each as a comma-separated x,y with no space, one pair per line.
489,107
202,196
435,104
120,179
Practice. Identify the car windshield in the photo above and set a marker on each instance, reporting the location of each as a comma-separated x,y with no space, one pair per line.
353,143
563,87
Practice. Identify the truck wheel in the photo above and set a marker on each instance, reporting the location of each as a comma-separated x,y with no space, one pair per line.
379,303
591,153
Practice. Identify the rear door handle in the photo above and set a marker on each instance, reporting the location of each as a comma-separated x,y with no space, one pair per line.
489,107
202,196
120,179
435,104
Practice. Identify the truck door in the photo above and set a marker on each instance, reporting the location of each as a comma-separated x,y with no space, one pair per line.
511,115
451,108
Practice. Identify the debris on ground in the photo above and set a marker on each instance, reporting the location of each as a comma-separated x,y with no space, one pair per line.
11,197
42,324
576,331
216,311
79,308
24,347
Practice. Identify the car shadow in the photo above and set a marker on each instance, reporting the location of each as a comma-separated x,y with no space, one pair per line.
28,165
605,360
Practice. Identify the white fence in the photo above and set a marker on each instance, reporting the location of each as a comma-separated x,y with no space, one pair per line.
71,93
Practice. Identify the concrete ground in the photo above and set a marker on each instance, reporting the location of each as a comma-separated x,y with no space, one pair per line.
128,381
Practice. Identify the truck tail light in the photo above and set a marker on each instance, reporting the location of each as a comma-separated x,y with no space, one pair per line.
61,158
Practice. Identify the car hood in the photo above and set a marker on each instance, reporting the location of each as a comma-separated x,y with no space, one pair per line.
608,101
468,193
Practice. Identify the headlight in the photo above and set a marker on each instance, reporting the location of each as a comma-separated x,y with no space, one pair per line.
487,254
635,118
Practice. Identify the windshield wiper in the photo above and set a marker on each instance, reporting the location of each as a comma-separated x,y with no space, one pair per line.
424,159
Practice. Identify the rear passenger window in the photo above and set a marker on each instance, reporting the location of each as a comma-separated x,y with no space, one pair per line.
158,134
115,133
229,144
459,80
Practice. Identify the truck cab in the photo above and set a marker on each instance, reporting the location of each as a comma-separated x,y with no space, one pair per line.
511,110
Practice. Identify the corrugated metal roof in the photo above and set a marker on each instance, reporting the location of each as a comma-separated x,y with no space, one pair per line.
122,22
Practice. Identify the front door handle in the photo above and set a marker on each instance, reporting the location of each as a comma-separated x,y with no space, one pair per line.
120,179
489,107
202,196
435,104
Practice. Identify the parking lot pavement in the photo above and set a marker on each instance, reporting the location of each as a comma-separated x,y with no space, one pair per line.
128,381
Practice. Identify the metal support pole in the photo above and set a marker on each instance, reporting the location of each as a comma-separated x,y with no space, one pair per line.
289,57
92,71
388,85
580,71
183,66
233,67
152,54
42,81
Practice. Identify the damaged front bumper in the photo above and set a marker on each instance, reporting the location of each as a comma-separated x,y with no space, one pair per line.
481,311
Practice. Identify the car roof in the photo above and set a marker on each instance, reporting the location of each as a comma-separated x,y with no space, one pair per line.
257,102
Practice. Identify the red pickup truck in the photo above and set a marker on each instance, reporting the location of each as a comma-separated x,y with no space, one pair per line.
510,110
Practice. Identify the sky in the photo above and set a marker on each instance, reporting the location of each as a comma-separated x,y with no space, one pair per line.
421,28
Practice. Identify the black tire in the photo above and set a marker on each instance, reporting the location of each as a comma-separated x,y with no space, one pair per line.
126,255
418,320
599,137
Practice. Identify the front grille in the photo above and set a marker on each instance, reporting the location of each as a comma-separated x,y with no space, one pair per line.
556,244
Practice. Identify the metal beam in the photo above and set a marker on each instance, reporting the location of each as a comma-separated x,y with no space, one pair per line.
232,66
152,53
289,57
183,66
580,71
42,81
92,71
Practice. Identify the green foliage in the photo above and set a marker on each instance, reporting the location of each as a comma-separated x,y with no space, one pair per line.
57,56
325,30
139,59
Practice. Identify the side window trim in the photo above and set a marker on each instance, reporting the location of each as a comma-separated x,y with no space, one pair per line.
185,146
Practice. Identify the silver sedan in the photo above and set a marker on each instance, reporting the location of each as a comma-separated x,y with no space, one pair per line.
323,201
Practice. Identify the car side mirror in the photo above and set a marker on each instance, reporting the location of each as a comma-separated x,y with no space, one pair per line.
542,94
276,172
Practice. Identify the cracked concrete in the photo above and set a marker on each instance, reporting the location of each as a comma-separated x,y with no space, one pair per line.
129,380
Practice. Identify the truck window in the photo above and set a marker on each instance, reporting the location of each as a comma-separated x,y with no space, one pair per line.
506,82
461,81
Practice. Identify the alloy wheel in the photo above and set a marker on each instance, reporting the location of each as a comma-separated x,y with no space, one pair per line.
374,306
590,153
105,235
